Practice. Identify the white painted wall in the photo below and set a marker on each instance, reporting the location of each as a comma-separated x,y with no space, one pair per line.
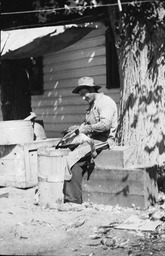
58,107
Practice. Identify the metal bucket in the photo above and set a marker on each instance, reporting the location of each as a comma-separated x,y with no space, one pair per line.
16,132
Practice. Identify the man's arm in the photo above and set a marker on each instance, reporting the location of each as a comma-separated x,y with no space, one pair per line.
106,112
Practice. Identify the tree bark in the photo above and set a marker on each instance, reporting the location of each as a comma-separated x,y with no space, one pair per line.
142,106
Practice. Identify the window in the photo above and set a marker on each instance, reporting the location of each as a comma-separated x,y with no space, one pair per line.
112,70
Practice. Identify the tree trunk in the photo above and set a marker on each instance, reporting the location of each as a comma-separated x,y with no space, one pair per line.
142,106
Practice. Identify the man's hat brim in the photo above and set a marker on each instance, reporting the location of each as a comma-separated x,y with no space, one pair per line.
78,88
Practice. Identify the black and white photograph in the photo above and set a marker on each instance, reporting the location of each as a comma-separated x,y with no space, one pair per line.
82,127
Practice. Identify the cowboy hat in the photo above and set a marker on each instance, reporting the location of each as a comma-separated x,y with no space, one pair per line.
85,82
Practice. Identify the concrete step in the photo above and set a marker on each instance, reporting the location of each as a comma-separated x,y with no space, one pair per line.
124,186
117,157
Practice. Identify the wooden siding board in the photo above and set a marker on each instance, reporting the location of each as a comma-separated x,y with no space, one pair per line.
67,92
63,82
64,66
63,118
54,134
64,93
57,58
93,71
62,101
95,33
42,111
58,127
86,43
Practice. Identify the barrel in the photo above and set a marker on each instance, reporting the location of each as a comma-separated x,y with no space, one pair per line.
39,132
51,172
16,132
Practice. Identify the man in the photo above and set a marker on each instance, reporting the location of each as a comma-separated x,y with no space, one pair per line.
100,124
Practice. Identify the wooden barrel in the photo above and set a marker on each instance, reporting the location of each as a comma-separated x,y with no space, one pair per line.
51,172
16,132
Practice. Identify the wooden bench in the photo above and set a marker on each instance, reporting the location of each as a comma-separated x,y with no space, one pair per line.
116,181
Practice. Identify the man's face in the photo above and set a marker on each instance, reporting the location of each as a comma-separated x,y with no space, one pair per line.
87,95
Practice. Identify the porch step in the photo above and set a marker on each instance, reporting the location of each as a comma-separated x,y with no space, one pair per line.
115,180
118,157
125,187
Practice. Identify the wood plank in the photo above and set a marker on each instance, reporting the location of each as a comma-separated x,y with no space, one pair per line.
92,71
58,92
58,127
65,66
100,30
116,98
113,91
54,134
64,83
57,119
42,111
65,92
72,100
61,57
86,43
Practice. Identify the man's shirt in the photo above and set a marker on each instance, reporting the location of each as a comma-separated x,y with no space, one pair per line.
102,117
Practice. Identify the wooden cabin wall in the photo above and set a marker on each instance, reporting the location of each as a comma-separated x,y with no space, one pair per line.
58,107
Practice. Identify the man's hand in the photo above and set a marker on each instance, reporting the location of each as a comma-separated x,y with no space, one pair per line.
85,128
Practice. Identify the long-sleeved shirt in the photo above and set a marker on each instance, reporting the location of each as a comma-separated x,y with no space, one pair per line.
102,117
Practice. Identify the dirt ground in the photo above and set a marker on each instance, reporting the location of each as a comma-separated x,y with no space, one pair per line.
72,230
